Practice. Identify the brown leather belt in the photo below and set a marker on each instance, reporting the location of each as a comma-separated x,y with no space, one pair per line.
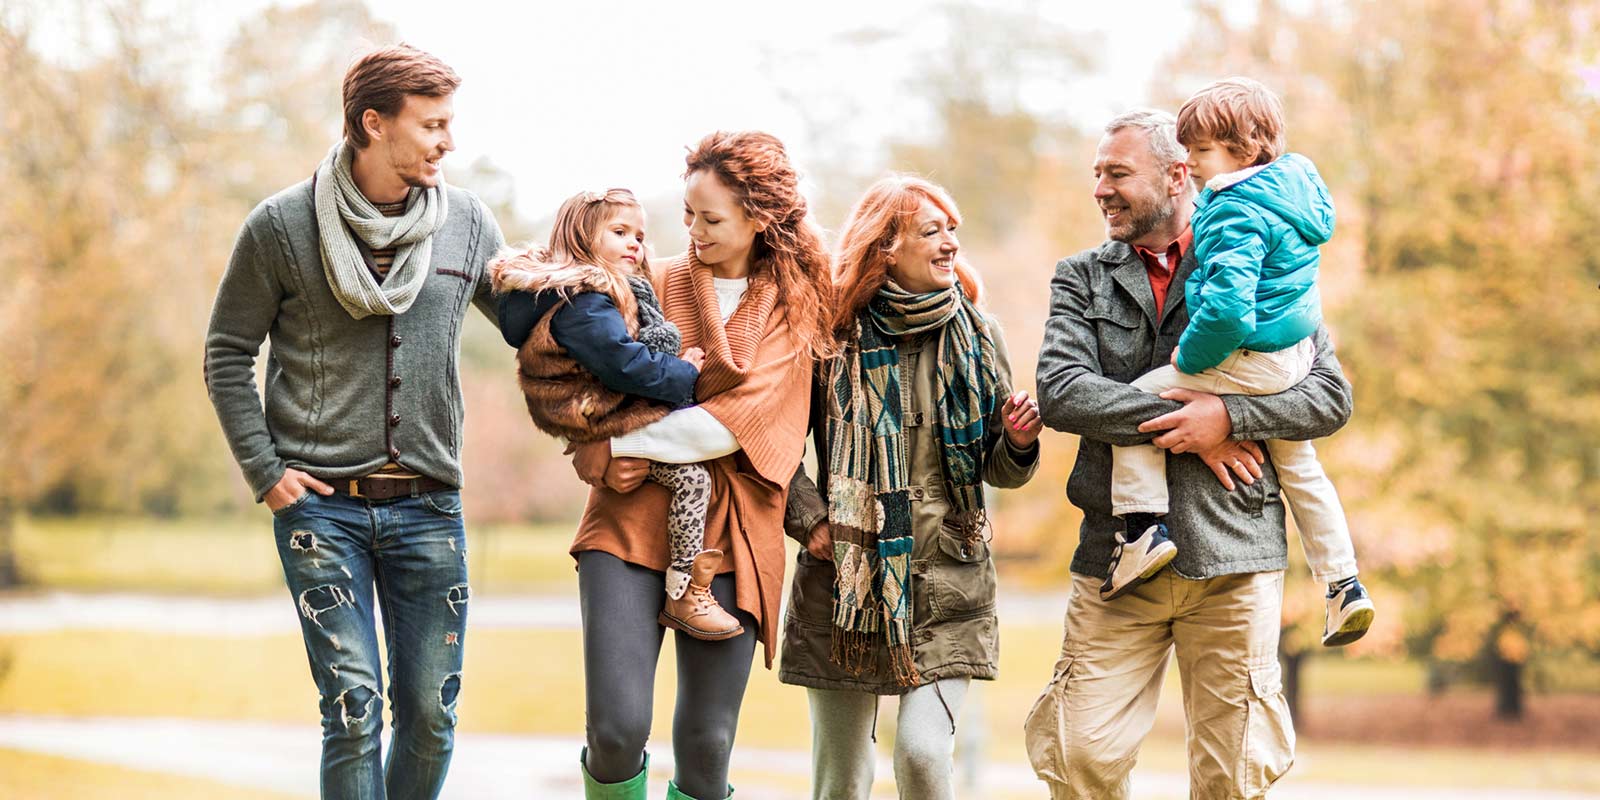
370,488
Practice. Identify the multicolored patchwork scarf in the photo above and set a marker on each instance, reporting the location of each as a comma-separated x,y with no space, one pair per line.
869,499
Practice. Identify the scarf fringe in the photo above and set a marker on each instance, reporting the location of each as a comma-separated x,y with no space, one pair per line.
852,650
903,665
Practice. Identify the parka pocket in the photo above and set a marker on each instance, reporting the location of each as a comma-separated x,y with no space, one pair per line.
811,591
961,582
1046,727
961,548
1269,732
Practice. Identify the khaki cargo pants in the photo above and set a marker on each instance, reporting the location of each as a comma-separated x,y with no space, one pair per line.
1083,733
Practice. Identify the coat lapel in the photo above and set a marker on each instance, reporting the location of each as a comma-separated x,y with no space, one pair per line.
1175,293
1128,271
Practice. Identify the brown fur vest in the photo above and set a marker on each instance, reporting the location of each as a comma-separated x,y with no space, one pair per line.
565,399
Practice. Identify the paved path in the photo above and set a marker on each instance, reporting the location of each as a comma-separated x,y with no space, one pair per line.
284,758
243,617
488,767
256,616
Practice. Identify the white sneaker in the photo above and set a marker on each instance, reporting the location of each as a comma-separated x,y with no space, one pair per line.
1350,613
1133,563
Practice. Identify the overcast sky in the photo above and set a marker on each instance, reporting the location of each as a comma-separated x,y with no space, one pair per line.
566,96
573,95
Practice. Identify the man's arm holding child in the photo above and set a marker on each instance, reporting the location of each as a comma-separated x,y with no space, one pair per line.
1314,408
1074,394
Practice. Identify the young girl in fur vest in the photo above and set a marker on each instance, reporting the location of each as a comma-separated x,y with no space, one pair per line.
602,361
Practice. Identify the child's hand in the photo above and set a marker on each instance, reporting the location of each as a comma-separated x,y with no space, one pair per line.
1022,421
695,356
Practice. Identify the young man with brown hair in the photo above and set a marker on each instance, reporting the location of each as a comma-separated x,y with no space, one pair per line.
360,276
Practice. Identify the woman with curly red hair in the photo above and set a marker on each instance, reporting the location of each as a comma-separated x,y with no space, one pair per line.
894,591
751,292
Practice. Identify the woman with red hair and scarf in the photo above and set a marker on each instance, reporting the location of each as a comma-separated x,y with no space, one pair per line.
894,591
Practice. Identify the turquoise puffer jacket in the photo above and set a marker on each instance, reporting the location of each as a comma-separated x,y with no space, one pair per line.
1255,285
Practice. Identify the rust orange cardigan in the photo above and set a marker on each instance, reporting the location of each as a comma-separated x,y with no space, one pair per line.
756,381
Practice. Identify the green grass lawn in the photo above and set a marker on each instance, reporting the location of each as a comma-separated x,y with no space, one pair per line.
40,777
530,681
236,556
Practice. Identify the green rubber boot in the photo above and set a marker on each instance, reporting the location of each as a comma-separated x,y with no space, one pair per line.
634,788
674,793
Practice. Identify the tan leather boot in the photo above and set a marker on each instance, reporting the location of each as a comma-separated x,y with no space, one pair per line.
697,613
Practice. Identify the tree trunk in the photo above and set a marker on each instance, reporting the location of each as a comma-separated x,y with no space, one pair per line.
1508,689
1292,669
9,576
1438,681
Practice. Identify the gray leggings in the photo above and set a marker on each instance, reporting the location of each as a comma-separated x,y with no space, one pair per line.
621,645
842,755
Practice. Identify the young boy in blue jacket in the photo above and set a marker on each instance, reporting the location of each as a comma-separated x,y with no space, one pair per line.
1253,307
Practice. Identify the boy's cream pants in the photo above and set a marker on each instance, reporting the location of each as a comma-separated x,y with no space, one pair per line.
1084,731
1139,473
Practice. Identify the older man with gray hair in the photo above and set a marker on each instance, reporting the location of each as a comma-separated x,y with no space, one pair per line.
1116,312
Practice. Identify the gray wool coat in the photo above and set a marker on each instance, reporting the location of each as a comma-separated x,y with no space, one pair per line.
1103,332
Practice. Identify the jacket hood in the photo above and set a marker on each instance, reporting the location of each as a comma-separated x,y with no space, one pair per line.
1291,188
532,270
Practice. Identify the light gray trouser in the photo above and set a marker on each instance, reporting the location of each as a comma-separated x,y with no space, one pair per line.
842,758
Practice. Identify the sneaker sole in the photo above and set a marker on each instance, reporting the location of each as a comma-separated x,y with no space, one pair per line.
666,620
1161,558
1354,626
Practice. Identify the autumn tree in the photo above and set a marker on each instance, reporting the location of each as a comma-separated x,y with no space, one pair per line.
127,183
1458,139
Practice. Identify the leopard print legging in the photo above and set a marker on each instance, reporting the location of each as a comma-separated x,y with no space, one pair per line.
690,485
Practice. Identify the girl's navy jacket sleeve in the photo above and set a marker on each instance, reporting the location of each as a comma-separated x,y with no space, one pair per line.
591,329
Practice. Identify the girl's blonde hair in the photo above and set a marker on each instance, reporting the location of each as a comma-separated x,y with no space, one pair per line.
569,259
877,225
578,223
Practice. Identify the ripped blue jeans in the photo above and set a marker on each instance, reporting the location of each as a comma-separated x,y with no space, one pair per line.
336,551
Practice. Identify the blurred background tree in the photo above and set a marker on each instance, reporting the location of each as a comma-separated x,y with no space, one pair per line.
1457,138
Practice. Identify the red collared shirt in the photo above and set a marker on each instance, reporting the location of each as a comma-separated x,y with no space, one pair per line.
1161,274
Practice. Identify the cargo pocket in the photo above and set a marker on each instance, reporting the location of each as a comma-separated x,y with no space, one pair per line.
1268,733
1045,729
962,583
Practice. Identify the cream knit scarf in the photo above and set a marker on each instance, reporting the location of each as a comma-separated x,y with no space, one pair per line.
342,211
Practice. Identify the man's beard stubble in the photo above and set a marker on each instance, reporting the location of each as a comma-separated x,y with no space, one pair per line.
1143,221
